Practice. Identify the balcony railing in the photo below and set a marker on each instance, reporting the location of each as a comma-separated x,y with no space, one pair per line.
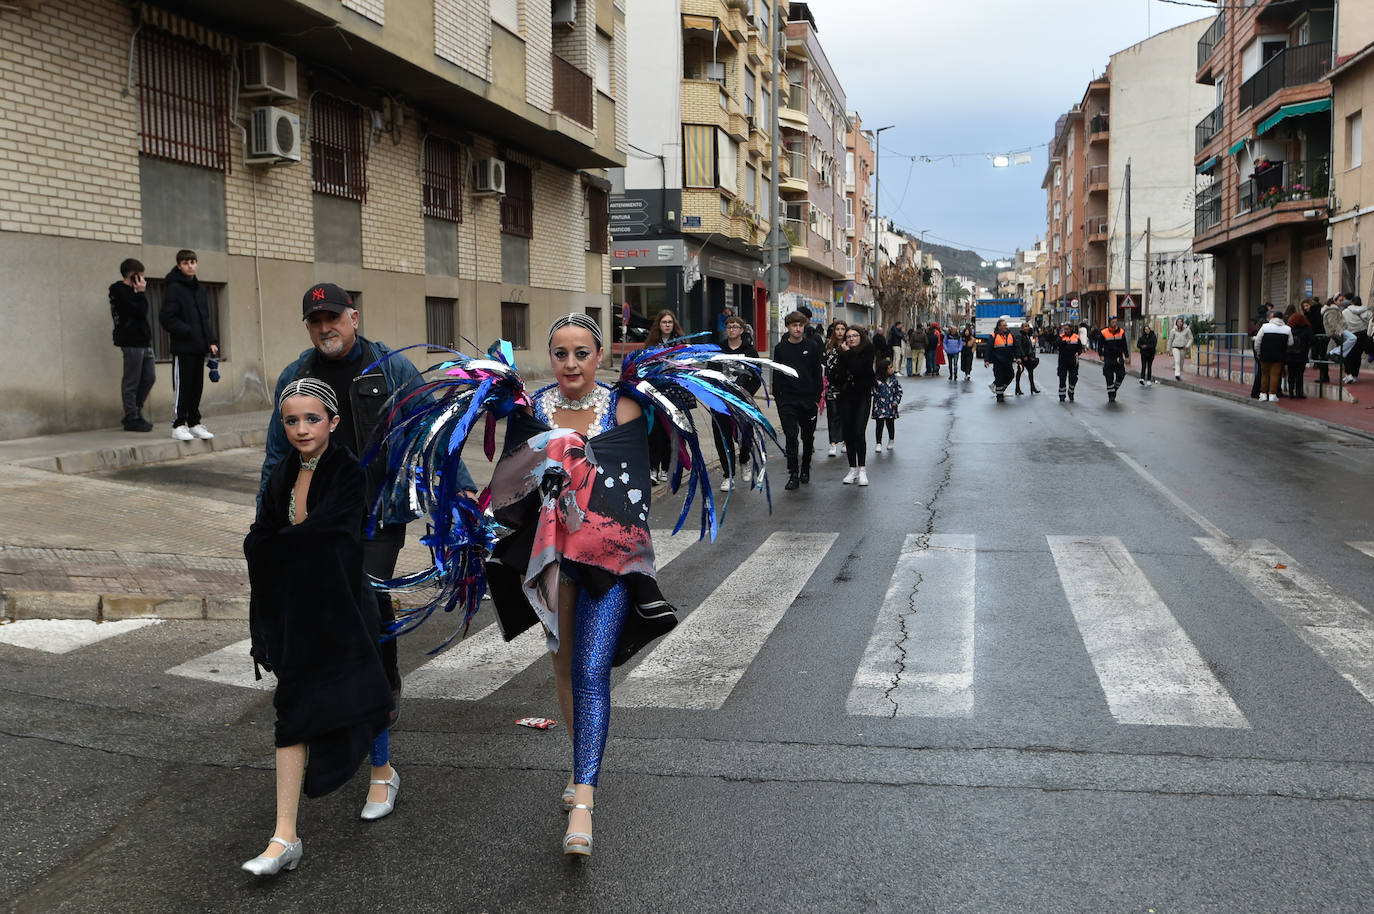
1093,227
1207,128
795,230
1098,124
1211,38
1097,175
1207,212
1281,182
1096,276
1295,66
796,161
572,92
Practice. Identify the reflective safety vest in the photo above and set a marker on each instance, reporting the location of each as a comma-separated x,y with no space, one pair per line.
1003,339
1070,339
1109,334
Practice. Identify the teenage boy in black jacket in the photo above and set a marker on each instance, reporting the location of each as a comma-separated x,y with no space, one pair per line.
799,397
133,334
186,316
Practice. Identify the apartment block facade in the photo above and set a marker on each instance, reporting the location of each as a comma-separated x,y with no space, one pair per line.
1264,154
692,209
1065,184
444,160
1352,261
854,294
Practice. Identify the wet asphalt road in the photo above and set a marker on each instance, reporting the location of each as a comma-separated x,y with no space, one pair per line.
126,788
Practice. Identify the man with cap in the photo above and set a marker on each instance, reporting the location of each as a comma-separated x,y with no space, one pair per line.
338,357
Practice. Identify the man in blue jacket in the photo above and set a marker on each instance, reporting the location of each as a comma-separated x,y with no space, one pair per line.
338,357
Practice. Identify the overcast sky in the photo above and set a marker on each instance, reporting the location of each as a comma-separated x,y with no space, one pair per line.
975,76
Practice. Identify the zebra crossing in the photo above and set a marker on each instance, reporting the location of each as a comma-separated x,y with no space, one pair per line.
921,657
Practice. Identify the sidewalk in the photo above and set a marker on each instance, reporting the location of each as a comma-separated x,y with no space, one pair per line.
1345,416
76,546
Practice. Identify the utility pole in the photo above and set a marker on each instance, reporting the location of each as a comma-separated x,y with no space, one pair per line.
1145,297
1128,230
877,254
775,192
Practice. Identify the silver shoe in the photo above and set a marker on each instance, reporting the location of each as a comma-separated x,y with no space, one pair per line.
578,850
569,799
271,866
372,810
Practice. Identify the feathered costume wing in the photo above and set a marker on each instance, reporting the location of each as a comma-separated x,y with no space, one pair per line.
424,429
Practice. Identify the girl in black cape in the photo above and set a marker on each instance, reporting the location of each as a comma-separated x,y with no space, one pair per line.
311,624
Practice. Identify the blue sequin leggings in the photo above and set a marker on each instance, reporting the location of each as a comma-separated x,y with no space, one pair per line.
596,632
381,749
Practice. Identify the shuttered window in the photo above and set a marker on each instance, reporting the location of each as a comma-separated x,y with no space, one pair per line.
603,62
443,185
183,100
598,221
727,168
517,206
336,148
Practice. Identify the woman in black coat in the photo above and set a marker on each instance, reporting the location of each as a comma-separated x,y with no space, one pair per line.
311,623
855,401
1297,353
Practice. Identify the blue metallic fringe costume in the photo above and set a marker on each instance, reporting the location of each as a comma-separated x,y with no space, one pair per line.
561,507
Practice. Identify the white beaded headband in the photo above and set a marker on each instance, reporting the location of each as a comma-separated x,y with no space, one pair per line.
311,387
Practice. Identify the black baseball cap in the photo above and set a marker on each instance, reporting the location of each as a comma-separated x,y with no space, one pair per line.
325,296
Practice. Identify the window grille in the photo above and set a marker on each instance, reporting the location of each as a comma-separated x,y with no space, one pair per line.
598,221
336,148
440,324
183,101
517,206
515,319
443,180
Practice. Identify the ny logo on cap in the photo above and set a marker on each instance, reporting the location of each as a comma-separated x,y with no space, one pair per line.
317,293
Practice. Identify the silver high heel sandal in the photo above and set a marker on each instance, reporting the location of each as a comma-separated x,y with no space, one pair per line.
271,866
372,810
578,850
569,798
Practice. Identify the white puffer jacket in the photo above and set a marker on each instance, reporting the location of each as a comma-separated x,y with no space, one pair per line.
1357,319
1180,339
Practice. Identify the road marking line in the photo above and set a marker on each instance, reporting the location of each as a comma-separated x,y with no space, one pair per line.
59,636
484,661
925,668
698,664
1337,628
1150,671
231,665
1366,547
1187,509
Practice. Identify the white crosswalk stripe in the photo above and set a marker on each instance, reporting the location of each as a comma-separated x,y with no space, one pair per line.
698,664
483,662
920,664
1366,547
60,636
1337,628
231,665
1149,669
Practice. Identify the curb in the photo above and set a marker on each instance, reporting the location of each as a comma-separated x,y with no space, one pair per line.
115,458
17,605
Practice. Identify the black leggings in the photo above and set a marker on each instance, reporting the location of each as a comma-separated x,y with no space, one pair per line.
889,424
1147,365
854,411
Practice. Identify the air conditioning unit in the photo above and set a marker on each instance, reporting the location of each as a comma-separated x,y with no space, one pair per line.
268,71
489,177
274,136
565,13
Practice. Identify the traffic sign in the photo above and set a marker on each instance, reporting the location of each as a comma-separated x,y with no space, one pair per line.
777,240
784,279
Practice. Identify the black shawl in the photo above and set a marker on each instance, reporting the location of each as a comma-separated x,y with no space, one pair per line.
311,623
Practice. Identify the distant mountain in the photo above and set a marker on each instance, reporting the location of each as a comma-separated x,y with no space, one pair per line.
961,263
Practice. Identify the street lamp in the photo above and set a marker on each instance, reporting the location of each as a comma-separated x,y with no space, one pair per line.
877,166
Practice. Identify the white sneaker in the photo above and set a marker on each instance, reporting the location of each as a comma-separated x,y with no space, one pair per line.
878,448
843,449
891,445
849,477
1142,382
1178,377
1349,379
832,451
200,431
182,433
863,476
727,484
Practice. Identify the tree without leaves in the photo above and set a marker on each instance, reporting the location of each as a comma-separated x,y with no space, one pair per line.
903,289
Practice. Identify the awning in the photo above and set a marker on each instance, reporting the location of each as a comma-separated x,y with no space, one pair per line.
1321,104
1236,146
1207,166
699,23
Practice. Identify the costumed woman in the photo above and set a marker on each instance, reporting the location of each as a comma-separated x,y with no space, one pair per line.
310,623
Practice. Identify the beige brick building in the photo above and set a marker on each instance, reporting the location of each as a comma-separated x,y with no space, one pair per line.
132,130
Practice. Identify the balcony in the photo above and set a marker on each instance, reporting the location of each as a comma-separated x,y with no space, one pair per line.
795,230
795,171
1096,278
1097,179
1097,128
1210,39
1207,211
1284,182
1095,230
1207,128
1295,66
572,92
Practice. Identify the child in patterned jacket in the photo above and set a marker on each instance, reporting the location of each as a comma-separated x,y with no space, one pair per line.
887,396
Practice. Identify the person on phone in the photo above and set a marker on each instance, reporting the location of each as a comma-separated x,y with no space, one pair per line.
133,334
185,315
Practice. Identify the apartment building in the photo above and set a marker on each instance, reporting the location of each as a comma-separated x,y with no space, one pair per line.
1153,106
1264,153
854,294
1352,262
815,127
1065,185
691,211
444,160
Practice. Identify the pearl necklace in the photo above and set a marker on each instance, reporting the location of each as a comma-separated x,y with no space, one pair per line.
596,400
